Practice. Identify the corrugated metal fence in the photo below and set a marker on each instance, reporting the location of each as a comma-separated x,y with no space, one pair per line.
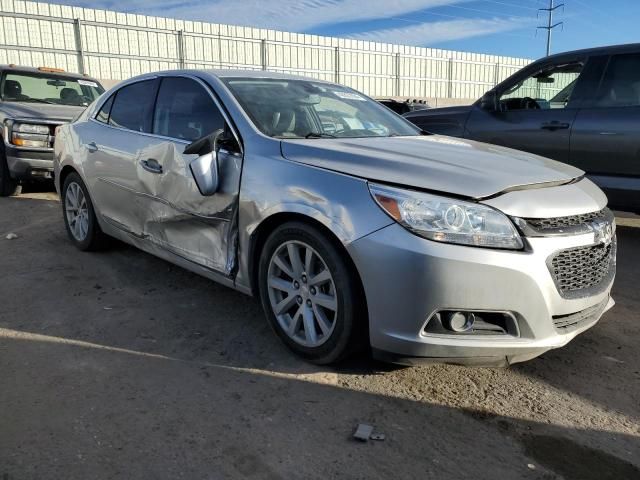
114,45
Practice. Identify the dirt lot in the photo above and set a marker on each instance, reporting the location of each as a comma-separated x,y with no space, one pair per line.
119,365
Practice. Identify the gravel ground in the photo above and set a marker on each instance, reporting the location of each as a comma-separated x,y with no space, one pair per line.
119,365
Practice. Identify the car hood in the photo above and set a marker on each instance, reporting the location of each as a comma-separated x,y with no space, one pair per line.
434,162
64,113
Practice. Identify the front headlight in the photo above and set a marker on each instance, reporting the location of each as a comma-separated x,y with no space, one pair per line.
29,135
447,219
30,128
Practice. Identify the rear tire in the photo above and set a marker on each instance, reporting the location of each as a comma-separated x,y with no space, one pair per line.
309,293
8,186
79,215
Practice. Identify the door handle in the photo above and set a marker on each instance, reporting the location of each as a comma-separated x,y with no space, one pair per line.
554,125
151,165
92,147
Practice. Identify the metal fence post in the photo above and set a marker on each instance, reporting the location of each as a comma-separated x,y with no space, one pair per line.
397,86
496,74
181,62
336,64
77,31
450,78
263,53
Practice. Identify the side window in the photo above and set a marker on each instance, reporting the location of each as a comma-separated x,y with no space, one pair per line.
621,82
103,114
551,87
185,110
133,106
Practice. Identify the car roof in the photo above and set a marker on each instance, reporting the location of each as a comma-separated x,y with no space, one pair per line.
590,52
224,73
24,69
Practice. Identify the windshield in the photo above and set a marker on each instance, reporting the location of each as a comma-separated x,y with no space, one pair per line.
47,88
307,109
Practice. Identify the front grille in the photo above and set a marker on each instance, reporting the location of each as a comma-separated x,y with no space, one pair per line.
574,321
581,269
563,222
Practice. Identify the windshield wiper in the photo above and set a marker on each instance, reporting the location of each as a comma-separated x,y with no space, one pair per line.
319,135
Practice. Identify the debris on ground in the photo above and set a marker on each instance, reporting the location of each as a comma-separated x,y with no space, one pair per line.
11,236
365,432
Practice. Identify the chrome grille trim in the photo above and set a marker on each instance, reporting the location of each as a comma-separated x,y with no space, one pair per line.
568,225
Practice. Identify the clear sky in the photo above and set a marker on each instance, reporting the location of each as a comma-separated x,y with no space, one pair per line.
502,27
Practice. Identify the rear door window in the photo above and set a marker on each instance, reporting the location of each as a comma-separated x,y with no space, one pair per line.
185,110
103,114
620,85
133,106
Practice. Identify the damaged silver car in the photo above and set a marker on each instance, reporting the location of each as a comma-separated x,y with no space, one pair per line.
354,227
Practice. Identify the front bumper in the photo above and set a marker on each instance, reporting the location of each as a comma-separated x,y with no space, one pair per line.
407,279
26,164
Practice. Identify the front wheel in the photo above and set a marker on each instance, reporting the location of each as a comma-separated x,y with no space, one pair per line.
79,215
309,293
8,186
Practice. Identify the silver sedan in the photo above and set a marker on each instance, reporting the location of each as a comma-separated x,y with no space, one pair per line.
355,228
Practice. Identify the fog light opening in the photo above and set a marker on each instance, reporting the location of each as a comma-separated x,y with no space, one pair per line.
459,321
472,323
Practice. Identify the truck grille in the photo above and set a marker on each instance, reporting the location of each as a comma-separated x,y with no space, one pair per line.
542,224
578,271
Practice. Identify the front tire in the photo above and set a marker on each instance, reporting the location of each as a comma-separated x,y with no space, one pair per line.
8,186
309,293
79,215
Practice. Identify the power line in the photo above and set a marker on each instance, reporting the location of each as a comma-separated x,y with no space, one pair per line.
550,25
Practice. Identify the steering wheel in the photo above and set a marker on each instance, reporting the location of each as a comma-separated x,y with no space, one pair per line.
528,103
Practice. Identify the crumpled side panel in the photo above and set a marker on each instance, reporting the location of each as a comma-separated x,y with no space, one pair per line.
176,217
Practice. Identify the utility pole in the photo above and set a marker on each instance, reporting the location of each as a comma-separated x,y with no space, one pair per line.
550,26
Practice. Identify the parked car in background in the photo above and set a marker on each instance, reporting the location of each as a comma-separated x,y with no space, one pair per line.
33,102
352,225
581,108
404,106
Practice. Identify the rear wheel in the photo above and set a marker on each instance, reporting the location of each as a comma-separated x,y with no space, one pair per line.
309,293
79,216
8,186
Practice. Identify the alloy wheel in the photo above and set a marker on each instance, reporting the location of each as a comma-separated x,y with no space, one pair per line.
76,209
302,293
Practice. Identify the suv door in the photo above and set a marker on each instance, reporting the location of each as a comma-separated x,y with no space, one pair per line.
606,139
114,140
176,217
535,111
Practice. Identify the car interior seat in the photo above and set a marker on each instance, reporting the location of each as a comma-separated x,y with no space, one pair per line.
13,90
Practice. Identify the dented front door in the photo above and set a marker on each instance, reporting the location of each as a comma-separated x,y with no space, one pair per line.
175,216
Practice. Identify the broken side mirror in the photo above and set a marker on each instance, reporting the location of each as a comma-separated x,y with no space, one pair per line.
489,101
205,167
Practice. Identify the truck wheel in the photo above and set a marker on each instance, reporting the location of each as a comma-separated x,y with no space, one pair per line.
79,216
8,186
309,293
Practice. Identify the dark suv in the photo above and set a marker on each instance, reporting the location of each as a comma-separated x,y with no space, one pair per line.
33,102
581,108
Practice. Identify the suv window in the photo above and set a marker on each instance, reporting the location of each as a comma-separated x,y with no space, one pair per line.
185,110
548,88
133,106
621,83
